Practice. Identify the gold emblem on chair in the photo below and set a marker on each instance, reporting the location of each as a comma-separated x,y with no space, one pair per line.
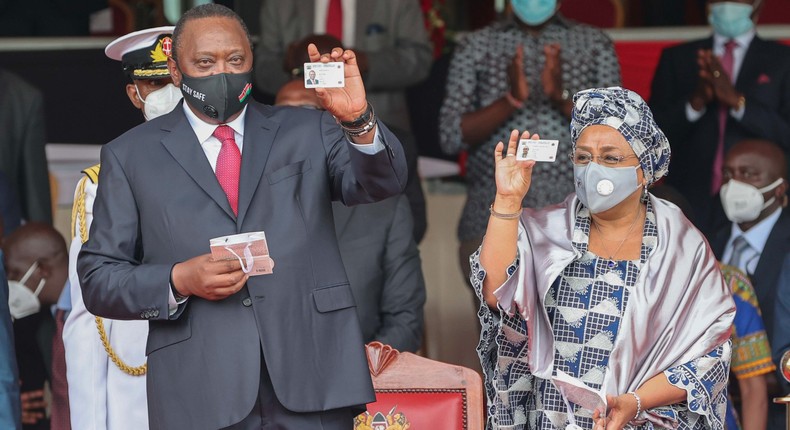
378,421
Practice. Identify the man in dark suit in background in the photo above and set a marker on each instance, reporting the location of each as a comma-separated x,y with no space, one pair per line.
22,156
709,94
226,350
36,259
754,197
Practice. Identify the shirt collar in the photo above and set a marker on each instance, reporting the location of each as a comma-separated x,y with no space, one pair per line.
204,130
757,235
743,40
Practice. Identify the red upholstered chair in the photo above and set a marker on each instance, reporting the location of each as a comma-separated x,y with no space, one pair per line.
416,393
599,13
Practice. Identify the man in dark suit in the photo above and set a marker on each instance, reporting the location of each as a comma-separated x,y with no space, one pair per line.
754,197
22,156
311,80
705,109
226,350
37,259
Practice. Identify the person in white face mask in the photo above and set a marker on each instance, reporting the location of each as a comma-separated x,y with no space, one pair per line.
37,270
106,358
710,93
754,198
608,309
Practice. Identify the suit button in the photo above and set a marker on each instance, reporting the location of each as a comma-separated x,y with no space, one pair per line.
247,302
156,313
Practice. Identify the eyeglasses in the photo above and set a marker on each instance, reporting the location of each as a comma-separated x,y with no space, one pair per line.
581,158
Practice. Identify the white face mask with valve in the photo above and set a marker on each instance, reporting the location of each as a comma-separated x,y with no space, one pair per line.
22,302
743,202
159,102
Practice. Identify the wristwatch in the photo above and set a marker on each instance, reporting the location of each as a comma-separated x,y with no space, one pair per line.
360,121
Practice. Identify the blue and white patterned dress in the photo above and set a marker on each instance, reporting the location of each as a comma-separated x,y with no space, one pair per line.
585,306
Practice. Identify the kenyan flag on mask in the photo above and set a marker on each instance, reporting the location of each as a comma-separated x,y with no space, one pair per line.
245,92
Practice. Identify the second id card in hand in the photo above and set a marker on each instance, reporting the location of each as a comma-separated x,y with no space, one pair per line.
324,75
538,150
250,249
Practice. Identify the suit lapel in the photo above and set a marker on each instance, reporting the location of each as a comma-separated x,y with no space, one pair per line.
259,133
750,64
183,145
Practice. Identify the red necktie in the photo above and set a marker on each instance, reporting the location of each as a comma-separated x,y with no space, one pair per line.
229,165
718,161
334,19
59,419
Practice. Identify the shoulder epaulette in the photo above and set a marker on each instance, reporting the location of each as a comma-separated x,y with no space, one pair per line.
93,173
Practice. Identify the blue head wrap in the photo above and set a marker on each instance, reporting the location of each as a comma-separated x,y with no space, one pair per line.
626,112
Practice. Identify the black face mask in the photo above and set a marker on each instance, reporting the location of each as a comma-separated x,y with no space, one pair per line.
218,96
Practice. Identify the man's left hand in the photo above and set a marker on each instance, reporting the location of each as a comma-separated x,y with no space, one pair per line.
347,103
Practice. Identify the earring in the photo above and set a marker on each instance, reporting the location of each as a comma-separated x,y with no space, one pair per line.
644,197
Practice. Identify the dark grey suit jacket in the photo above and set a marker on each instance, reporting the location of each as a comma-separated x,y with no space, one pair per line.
383,266
22,155
159,203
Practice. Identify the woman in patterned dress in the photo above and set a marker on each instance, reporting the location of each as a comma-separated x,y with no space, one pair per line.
607,310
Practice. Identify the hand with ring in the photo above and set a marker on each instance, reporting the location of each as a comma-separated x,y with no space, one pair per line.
703,93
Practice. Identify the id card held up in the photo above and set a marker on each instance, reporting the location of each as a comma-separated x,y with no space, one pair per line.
324,75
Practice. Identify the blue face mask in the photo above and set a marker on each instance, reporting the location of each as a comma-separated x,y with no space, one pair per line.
601,188
534,12
731,19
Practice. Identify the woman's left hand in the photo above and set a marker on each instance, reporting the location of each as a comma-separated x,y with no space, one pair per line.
621,410
347,103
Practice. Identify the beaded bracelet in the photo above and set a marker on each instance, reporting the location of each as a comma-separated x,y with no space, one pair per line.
638,404
496,214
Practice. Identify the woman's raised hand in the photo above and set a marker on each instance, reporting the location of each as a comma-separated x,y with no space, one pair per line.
513,177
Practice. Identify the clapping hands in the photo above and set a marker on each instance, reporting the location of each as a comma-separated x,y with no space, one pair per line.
714,83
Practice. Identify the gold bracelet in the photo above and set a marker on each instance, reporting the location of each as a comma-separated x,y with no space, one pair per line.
496,214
